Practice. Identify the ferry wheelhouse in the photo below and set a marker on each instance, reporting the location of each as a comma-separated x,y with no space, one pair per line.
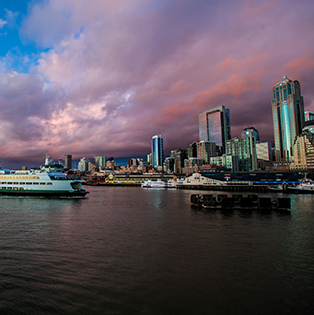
49,180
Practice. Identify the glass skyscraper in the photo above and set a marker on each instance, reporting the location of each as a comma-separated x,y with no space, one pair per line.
157,151
288,117
214,126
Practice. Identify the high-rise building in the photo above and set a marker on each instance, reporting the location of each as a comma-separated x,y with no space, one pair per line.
250,132
83,164
100,161
206,150
169,165
192,150
308,116
68,161
179,156
214,126
157,151
304,148
288,117
245,149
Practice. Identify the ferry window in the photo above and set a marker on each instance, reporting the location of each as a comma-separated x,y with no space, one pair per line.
9,183
42,183
29,183
22,183
35,183
15,183
49,183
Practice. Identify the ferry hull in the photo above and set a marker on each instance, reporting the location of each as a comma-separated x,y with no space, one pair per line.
81,193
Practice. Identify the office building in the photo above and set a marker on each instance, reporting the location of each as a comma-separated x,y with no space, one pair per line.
304,148
83,164
206,150
245,149
263,151
169,165
157,152
214,126
230,162
192,150
100,161
179,156
288,117
68,162
250,132
308,116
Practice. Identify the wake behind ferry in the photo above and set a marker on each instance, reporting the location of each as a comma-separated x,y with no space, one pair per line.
49,180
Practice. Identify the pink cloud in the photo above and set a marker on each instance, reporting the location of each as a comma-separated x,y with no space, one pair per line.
115,73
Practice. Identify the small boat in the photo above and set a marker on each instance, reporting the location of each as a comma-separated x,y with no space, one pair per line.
276,188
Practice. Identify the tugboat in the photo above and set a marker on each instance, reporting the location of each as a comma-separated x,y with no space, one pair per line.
48,180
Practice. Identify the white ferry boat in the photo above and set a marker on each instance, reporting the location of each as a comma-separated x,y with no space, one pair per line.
49,180
154,184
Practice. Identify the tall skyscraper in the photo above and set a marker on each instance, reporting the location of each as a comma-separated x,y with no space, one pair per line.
68,161
214,126
157,151
288,117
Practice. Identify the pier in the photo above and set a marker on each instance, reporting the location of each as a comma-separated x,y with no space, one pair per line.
239,202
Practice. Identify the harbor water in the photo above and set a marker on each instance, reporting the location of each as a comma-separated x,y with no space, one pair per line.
146,251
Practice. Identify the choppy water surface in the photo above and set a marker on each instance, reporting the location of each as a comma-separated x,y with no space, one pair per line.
136,251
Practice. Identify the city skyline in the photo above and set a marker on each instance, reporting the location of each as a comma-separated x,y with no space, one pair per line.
101,79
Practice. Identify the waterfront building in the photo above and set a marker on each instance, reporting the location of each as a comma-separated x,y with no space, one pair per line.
205,150
263,151
288,117
68,161
179,156
250,132
214,126
230,162
100,161
304,148
83,164
245,149
169,165
199,180
308,116
157,152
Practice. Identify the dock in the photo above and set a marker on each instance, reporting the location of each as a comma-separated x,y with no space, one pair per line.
239,202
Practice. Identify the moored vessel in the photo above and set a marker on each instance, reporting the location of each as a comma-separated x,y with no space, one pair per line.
49,180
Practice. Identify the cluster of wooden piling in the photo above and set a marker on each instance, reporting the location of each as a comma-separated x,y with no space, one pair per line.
239,202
